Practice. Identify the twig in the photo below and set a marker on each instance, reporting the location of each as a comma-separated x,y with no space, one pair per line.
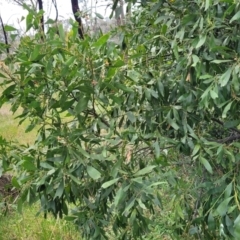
222,124
229,139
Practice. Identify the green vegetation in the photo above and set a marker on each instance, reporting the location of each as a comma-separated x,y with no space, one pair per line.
11,130
27,225
31,227
151,122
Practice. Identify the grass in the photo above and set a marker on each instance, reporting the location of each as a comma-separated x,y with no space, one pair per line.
28,226
11,130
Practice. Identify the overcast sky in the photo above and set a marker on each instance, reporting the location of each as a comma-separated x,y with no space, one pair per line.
11,13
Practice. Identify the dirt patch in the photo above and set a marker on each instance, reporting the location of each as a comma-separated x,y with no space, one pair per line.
5,111
6,190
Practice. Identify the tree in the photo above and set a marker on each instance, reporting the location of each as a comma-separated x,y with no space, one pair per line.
106,112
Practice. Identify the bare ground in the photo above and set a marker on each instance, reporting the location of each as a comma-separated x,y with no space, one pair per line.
6,191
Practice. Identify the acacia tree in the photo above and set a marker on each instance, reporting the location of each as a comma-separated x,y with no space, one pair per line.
106,112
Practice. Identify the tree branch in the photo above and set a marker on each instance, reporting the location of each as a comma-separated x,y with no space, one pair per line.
5,34
56,8
229,139
222,124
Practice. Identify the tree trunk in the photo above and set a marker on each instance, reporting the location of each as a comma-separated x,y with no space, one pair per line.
122,12
40,7
76,12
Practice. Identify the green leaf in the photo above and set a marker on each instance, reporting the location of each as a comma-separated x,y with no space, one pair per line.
141,204
228,190
30,127
15,182
29,20
207,3
50,21
131,117
156,184
35,52
211,222
225,77
81,105
223,207
93,173
207,76
201,41
196,150
29,165
8,28
206,164
160,87
235,17
133,75
51,172
101,41
173,123
195,59
60,190
220,61
231,124
123,87
226,109
156,149
129,205
213,94
118,63
70,61
99,15
109,183
19,205
119,196
46,165
230,155
75,179
164,29
144,171
61,32
236,227
111,72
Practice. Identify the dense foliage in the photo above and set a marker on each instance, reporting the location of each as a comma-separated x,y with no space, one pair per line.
114,120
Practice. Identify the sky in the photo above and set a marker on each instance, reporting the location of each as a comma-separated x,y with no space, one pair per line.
12,13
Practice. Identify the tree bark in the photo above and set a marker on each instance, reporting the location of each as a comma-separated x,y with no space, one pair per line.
76,12
40,7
